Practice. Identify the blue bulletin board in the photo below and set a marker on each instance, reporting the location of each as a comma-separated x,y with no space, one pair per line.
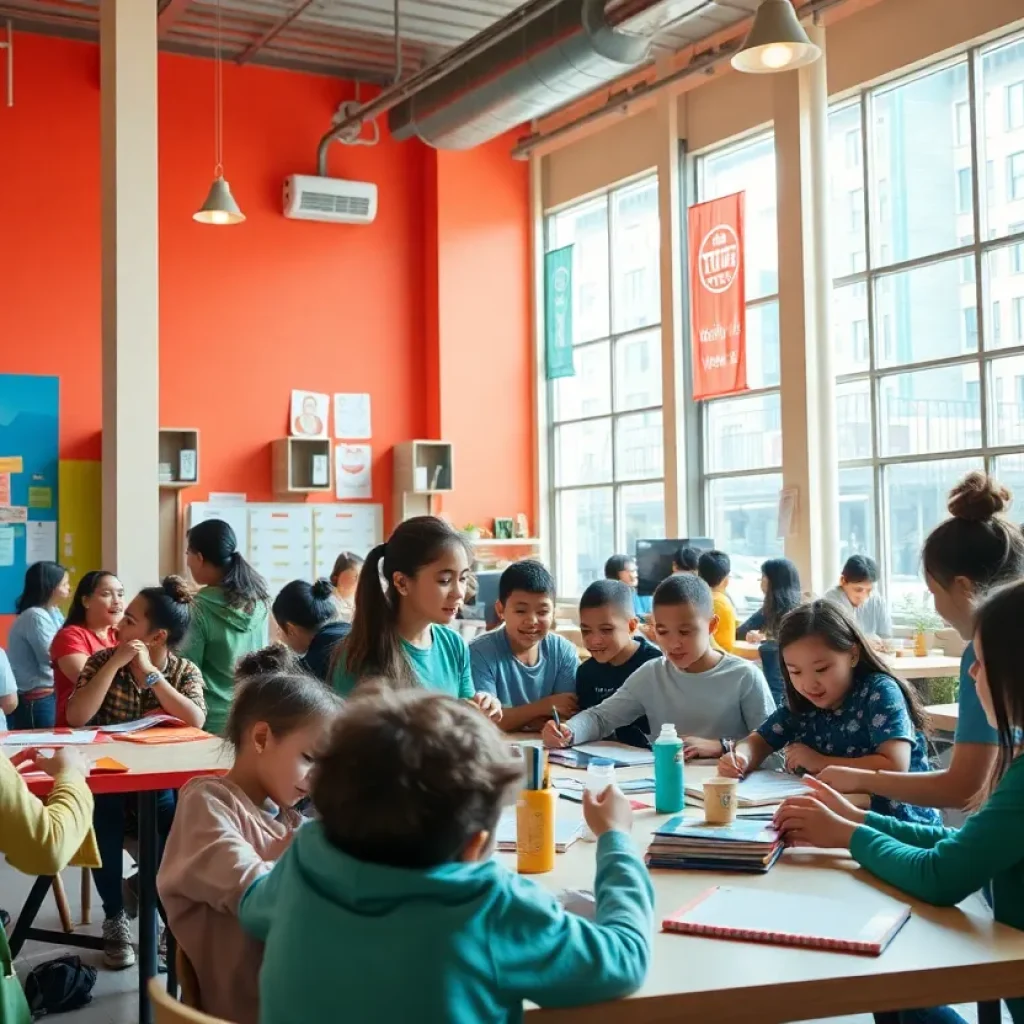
29,416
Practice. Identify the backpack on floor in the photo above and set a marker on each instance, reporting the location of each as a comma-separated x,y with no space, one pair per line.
59,986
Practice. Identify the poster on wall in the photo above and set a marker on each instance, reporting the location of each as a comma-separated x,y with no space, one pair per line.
558,313
717,297
352,417
309,414
353,471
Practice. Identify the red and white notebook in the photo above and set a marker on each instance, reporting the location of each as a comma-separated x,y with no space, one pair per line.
789,919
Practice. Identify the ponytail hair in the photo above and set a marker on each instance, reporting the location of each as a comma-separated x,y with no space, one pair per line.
215,542
373,648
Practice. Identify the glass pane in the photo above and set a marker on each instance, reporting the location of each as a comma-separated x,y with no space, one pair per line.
915,500
1004,280
589,393
639,446
1009,470
921,183
856,516
850,328
636,249
930,410
642,513
930,313
638,371
750,168
586,538
1006,401
583,453
763,352
585,227
853,420
743,433
846,188
1001,136
743,520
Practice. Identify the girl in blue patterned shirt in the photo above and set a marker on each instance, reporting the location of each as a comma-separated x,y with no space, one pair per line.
844,708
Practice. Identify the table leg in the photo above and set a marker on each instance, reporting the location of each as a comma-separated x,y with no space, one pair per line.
990,1013
148,846
172,965
34,900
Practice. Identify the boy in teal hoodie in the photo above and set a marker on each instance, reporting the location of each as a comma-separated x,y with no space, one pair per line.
390,908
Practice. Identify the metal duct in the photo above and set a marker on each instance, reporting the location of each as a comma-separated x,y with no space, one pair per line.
574,48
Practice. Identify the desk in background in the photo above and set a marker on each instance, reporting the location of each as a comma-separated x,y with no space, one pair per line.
944,717
934,666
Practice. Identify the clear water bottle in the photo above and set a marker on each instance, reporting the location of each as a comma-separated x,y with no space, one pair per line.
669,793
600,775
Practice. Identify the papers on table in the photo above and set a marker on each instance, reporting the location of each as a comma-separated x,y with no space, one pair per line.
567,832
758,789
73,737
618,753
140,724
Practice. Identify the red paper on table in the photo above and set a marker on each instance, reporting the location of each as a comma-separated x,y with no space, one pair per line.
717,297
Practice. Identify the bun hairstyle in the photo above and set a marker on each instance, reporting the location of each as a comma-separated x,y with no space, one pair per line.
308,606
215,542
169,607
266,661
977,542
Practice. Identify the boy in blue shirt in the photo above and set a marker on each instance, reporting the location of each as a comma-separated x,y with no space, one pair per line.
530,669
390,907
609,627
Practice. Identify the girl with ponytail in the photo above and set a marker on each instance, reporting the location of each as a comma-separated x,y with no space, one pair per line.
409,592
231,613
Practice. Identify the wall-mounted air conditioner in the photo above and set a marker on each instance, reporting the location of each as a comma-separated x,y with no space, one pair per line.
329,199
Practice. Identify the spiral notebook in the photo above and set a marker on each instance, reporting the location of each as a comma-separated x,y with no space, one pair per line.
789,919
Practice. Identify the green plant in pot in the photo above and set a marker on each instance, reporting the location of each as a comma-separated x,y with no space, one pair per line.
920,615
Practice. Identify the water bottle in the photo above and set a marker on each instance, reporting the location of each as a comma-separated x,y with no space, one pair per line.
669,795
600,775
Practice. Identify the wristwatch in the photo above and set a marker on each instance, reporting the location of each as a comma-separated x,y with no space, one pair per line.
151,680
725,746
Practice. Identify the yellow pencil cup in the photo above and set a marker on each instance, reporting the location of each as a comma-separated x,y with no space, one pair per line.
535,831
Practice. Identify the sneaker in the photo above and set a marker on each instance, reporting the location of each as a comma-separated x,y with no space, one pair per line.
118,952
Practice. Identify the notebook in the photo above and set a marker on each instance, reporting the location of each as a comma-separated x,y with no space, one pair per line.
738,846
167,734
789,919
586,753
141,724
758,789
566,832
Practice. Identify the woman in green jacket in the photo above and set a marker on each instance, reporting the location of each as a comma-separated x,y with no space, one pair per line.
230,616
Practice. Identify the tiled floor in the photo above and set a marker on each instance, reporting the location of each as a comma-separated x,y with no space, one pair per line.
115,997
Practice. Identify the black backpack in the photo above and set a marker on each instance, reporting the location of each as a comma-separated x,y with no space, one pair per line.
59,986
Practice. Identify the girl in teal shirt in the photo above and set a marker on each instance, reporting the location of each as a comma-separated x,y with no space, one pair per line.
945,865
401,630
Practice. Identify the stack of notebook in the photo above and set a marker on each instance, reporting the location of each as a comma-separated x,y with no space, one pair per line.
739,846
567,831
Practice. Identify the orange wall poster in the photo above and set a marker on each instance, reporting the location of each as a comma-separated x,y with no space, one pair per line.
717,297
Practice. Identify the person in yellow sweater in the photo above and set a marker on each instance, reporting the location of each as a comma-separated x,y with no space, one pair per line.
713,568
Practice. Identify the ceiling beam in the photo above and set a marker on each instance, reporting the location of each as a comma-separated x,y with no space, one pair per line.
171,11
251,51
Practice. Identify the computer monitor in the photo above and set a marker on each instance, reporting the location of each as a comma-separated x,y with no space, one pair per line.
654,559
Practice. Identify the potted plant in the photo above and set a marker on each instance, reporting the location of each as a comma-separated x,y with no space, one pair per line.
920,615
472,532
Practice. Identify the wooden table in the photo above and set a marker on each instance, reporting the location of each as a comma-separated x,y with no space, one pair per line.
933,666
944,716
150,769
951,955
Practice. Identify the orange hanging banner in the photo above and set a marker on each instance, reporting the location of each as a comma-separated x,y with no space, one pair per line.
717,297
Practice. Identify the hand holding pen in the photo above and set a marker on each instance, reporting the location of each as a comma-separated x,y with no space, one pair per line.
555,734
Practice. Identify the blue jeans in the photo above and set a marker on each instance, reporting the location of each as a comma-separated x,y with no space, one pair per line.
108,820
772,667
936,1015
34,714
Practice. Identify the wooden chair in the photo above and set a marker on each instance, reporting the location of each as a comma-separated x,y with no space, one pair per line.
169,1011
60,897
188,980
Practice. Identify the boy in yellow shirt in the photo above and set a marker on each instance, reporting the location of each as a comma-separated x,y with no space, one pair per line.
713,568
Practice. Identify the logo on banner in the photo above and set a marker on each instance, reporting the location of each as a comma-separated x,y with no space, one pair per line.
719,259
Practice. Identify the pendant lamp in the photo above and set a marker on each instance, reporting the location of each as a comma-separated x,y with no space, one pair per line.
776,41
220,206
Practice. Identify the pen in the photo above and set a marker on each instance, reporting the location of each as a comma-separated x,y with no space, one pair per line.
730,745
558,721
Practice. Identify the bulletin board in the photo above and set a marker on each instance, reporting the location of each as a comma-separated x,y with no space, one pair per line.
29,418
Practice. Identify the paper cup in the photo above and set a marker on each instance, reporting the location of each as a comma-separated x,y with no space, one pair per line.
720,800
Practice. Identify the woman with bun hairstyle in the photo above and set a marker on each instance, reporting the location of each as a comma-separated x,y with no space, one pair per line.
231,613
142,675
307,615
974,550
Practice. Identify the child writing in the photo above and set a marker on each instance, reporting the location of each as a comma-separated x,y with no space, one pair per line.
409,792
708,695
945,865
527,667
228,831
307,615
843,708
714,567
609,626
140,676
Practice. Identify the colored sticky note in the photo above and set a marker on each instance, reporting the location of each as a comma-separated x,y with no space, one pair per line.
13,514
40,497
6,545
5,488
11,464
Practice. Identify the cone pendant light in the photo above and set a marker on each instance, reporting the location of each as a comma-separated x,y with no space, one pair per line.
776,41
220,206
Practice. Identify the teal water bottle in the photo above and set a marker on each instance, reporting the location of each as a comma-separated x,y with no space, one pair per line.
669,795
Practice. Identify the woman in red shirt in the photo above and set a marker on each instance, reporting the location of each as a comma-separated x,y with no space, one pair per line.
91,626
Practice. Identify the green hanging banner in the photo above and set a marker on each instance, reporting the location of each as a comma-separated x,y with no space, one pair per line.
558,313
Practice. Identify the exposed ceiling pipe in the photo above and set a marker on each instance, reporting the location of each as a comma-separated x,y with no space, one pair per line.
398,41
455,58
279,26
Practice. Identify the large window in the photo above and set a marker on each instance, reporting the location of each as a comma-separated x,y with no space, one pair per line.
606,431
742,436
929,333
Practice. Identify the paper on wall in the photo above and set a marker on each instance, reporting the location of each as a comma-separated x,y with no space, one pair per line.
12,464
353,471
40,542
13,514
6,545
787,512
352,417
5,488
309,414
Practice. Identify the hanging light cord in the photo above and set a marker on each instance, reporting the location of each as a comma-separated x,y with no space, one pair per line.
218,103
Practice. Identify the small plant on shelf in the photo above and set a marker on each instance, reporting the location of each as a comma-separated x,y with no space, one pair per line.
919,614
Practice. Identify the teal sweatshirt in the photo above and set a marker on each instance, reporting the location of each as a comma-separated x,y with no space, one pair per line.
461,943
218,636
945,865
